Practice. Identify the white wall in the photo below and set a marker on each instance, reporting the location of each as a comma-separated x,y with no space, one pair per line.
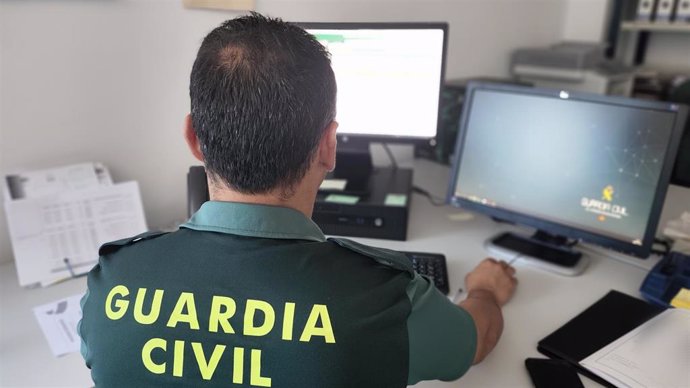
107,80
100,81
585,20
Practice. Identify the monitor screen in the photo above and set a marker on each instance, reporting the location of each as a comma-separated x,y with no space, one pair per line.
584,166
389,77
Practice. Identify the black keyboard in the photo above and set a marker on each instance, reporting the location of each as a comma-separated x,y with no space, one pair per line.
432,265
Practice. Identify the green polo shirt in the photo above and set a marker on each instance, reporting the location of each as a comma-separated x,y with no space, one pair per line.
256,296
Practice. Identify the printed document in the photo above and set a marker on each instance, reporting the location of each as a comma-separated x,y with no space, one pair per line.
58,236
58,321
41,183
656,354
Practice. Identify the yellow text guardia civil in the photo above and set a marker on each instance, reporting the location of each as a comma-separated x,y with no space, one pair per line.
223,308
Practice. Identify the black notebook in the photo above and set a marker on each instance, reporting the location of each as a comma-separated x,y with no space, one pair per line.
606,320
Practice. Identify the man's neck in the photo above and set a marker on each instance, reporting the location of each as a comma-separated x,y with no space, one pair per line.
303,203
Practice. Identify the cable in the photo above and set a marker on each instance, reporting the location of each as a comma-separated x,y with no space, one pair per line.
514,259
436,201
394,164
613,255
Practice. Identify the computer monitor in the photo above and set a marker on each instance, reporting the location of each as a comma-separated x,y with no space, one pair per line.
389,78
572,165
681,169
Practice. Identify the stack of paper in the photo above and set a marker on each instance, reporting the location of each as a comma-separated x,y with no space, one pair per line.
58,218
656,354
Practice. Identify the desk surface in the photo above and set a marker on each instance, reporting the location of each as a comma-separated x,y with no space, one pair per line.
542,302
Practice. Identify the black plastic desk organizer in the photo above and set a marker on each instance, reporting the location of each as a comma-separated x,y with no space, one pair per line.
667,277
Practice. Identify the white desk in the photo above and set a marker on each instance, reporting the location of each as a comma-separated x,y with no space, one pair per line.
542,302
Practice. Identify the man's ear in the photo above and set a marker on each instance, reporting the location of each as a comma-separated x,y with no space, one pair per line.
327,146
192,139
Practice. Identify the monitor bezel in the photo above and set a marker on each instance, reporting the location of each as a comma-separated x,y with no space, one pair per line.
643,250
356,139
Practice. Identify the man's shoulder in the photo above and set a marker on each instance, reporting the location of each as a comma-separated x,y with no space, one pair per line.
154,240
387,257
114,246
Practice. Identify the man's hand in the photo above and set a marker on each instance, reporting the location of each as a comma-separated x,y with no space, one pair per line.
496,277
489,286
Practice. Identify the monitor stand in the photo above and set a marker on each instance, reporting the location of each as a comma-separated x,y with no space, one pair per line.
542,250
354,164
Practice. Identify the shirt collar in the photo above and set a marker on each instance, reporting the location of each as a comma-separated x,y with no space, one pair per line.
254,220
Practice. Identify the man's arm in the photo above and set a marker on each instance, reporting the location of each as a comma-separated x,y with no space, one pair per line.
490,285
444,340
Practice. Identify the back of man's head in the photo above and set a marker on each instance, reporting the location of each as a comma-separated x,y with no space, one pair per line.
262,93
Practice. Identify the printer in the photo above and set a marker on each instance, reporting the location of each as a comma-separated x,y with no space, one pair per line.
574,66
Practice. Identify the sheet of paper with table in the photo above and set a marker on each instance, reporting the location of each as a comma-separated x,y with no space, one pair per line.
58,219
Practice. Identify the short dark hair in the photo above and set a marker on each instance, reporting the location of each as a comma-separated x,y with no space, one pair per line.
262,92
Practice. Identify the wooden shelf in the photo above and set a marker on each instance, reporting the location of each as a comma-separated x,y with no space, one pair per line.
652,26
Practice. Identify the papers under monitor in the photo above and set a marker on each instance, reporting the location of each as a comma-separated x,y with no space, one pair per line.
333,185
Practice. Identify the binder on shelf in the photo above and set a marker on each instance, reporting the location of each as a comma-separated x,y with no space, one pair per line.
645,10
664,11
682,11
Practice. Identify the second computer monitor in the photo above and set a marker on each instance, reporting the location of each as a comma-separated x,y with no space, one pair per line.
389,77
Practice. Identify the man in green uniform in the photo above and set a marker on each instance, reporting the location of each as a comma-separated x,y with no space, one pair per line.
249,292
